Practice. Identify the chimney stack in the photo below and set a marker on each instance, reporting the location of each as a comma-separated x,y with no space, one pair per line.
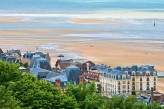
57,83
81,79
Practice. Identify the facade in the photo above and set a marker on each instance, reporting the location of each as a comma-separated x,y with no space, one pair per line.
92,75
128,80
86,66
114,82
15,53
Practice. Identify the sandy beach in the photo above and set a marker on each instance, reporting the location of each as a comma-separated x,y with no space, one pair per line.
94,21
111,52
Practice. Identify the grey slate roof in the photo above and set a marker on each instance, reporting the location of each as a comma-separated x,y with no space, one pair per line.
14,51
62,77
99,67
42,63
65,60
40,73
119,71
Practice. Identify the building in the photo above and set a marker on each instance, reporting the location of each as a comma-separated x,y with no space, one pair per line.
114,82
42,63
1,51
15,53
92,76
128,80
39,72
73,73
10,59
86,66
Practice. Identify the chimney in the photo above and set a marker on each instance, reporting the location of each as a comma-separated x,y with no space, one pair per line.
57,83
81,79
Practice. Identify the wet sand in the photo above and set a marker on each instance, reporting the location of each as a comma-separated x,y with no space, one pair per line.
109,52
94,21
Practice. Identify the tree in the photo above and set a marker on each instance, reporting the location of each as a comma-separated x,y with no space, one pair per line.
94,101
129,102
115,102
139,106
9,73
7,101
35,94
85,95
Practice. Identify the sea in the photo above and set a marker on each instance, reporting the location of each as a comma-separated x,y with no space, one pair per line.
144,18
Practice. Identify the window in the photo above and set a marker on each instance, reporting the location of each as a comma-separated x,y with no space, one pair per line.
148,87
118,82
119,77
133,83
147,73
154,78
155,74
124,82
133,87
147,78
154,88
133,73
128,82
140,78
133,79
123,77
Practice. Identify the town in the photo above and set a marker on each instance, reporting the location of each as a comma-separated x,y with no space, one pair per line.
134,80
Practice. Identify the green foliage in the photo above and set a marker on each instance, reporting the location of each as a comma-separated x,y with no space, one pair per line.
9,73
25,64
7,101
94,101
84,95
26,91
129,102
139,106
115,102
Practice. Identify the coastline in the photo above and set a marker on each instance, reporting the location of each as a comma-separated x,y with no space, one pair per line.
75,43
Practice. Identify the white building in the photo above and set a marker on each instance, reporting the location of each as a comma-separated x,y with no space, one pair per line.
128,80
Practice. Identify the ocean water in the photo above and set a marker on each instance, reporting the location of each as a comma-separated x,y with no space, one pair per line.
55,14
77,6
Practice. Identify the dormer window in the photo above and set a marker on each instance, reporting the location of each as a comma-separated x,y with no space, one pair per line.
126,72
133,73
119,77
123,77
147,73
